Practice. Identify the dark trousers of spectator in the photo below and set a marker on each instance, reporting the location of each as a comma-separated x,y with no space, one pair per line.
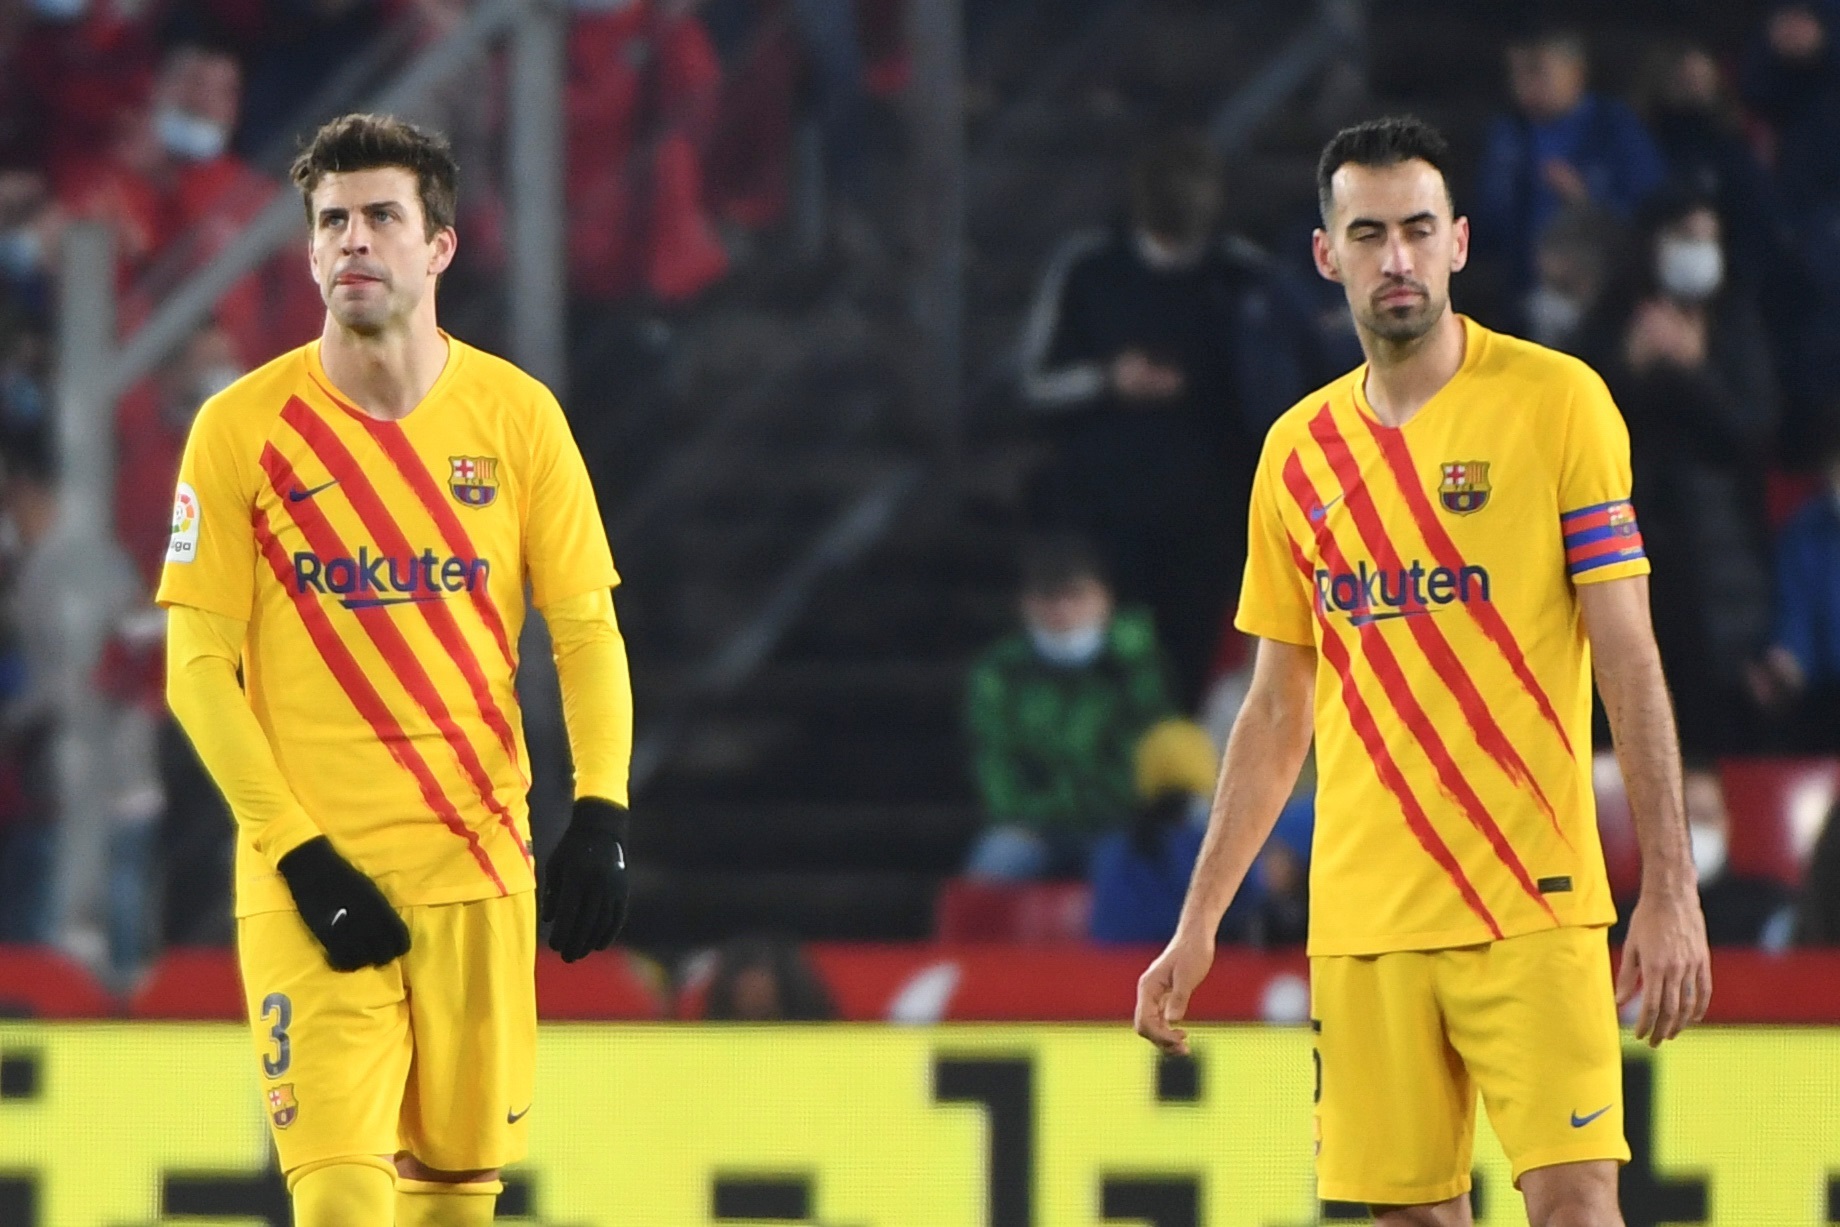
197,843
27,852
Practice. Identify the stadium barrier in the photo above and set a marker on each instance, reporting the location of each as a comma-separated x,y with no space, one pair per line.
130,1124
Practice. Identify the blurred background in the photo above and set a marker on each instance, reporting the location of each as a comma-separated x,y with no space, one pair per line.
920,351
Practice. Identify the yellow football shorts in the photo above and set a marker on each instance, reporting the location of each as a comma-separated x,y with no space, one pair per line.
1404,1040
434,1054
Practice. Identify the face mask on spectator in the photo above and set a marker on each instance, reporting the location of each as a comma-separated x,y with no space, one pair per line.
1690,269
1708,845
22,253
1069,648
189,137
60,10
1552,314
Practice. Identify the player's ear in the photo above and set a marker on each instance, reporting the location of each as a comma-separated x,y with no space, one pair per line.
1324,255
1459,251
446,243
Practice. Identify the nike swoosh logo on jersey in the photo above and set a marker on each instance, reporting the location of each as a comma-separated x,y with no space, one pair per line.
1579,1122
372,602
338,916
512,1118
297,495
1322,509
1364,619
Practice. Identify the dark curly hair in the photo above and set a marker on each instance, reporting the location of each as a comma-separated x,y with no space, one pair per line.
1382,142
372,142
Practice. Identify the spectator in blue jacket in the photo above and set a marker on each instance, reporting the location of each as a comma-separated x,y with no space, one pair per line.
1801,670
1563,145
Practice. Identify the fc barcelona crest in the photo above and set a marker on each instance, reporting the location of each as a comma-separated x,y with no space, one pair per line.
473,479
282,1106
1465,487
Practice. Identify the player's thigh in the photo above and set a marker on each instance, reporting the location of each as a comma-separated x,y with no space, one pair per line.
1583,1192
473,1008
1395,1112
1534,1018
332,1048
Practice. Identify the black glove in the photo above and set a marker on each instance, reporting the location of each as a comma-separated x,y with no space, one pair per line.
344,909
584,884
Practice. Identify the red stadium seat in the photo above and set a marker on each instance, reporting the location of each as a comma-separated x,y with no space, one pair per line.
36,982
200,982
1777,808
1032,913
610,985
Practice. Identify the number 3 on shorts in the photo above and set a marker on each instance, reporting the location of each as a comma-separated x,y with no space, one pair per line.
277,1005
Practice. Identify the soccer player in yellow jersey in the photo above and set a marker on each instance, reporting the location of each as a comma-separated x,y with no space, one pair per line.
1442,550
355,527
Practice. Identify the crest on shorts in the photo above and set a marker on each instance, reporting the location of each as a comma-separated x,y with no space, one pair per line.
282,1106
473,479
1465,487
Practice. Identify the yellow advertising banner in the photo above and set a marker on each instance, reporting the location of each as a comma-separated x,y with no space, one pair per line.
137,1124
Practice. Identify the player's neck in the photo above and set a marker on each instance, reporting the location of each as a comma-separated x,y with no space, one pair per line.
387,374
1403,375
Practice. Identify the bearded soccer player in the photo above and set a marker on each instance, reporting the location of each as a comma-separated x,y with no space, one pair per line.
355,527
1442,551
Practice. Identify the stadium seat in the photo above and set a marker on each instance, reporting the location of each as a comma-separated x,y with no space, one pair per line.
191,982
1777,807
36,982
615,984
1616,831
1031,913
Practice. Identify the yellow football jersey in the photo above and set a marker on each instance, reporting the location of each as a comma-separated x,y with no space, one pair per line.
1433,568
381,567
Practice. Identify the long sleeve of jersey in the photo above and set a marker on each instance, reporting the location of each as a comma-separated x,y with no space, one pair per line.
203,650
597,704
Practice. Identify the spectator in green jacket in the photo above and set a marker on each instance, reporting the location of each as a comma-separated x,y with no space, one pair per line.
1055,712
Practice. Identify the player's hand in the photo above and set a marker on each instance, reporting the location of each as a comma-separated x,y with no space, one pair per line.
584,888
1163,991
343,909
1666,959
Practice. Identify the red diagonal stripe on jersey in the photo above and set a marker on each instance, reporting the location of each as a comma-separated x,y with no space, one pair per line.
357,488
1444,550
350,677
1361,718
1379,656
1430,637
395,444
388,637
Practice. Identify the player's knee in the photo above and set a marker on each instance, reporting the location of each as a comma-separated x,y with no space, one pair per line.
1452,1213
340,1192
408,1167
1572,1195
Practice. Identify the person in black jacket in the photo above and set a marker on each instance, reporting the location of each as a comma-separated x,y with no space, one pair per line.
1685,355
1156,355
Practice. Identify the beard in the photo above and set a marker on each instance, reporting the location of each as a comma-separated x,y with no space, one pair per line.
1403,322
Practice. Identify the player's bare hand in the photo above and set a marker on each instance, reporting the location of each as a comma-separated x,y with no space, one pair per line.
1164,988
1666,960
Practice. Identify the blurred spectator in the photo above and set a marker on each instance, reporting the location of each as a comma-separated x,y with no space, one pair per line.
177,196
642,90
151,424
1739,910
766,979
1054,716
81,64
1686,357
1562,146
1571,264
1156,355
1694,119
1792,80
1139,877
1800,673
31,225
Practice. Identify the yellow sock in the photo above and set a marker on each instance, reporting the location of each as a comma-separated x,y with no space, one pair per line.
344,1193
427,1203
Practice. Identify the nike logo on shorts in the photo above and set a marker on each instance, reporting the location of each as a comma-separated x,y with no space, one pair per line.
1579,1122
337,916
512,1118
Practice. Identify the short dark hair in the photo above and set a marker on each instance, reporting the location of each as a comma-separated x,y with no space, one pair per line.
374,142
1055,562
1382,142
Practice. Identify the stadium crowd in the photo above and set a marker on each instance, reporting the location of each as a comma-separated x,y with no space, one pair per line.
1685,240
